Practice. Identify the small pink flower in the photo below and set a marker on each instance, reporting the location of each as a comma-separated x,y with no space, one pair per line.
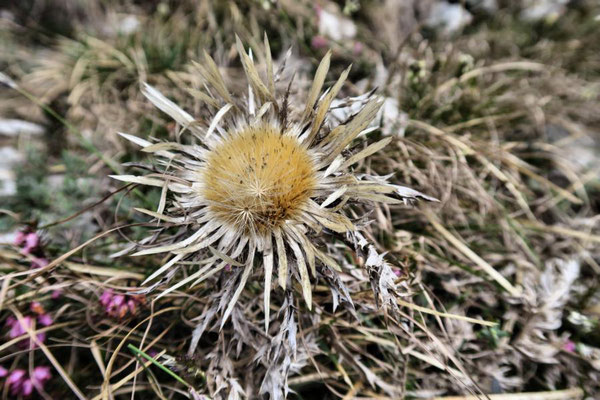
569,346
45,320
10,321
39,262
32,241
41,375
118,300
357,49
119,305
16,377
20,238
132,306
56,294
106,297
3,372
318,42
27,388
19,328
22,385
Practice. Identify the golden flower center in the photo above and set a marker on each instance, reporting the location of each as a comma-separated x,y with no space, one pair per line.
258,178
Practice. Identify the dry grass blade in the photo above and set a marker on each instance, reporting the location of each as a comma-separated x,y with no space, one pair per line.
106,385
102,271
95,350
500,67
115,386
495,275
443,314
585,236
568,394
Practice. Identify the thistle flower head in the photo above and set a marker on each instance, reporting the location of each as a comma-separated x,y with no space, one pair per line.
257,179
262,178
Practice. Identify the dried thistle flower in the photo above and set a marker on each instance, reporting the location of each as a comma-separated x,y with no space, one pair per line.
262,176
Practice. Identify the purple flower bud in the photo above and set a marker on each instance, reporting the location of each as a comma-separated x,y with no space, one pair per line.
20,238
20,327
357,48
318,42
41,375
15,377
22,385
10,321
569,346
39,262
3,372
45,320
32,240
106,297
27,388
119,305
118,300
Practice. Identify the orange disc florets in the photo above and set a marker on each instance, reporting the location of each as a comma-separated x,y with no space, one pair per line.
257,178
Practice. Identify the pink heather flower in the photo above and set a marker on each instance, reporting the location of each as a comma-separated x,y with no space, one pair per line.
357,49
118,300
39,262
16,377
45,320
20,238
32,241
119,305
15,381
41,375
106,297
22,385
569,346
19,328
56,294
318,42
132,306
3,371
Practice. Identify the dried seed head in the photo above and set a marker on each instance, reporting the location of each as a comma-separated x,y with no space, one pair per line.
245,187
257,178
